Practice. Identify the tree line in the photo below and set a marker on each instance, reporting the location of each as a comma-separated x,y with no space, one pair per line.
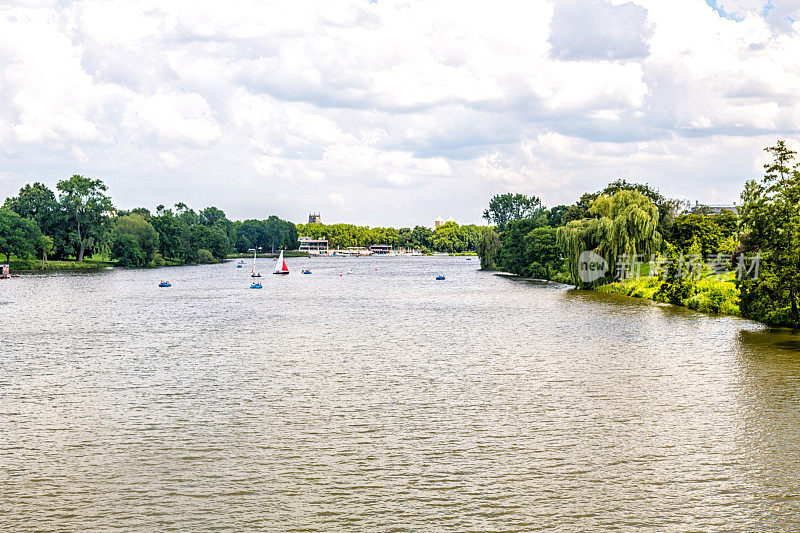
635,221
448,238
79,219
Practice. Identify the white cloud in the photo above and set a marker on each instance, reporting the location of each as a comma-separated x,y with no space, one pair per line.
337,199
404,109
175,117
596,29
171,161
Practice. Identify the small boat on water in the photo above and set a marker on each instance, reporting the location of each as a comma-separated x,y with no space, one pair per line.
256,285
440,277
306,271
280,265
165,284
350,271
469,259
239,265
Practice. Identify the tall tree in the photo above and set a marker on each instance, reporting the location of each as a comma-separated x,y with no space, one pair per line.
625,224
35,202
38,203
514,253
170,231
504,208
87,204
275,232
771,219
544,253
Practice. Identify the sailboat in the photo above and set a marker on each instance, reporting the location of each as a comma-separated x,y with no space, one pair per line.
280,265
253,273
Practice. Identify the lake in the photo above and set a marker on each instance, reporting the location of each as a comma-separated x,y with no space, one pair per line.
384,400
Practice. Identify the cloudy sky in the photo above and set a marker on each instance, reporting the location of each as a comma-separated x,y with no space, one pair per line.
392,112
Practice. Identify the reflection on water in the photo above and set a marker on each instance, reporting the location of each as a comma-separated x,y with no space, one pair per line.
384,399
769,410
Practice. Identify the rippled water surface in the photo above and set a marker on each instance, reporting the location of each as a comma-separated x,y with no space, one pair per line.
384,400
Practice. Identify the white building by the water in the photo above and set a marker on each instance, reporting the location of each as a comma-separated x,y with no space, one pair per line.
313,246
381,249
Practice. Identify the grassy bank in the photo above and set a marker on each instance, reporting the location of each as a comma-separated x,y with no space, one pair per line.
95,262
716,295
24,265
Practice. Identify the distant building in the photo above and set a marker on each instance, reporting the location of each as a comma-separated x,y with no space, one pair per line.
380,249
703,209
313,246
314,218
438,222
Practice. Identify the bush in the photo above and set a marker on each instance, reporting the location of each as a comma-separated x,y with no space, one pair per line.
205,257
642,287
715,296
126,250
709,295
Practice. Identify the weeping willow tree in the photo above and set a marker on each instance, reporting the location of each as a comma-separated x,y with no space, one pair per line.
625,224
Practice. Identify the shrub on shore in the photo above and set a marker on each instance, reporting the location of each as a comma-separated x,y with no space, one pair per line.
709,295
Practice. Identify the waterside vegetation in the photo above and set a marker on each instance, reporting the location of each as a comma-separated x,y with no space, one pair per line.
42,229
744,260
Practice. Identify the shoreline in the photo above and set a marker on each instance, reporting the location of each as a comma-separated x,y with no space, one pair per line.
707,297
34,266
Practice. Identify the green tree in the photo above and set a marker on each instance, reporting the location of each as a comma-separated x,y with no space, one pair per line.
212,216
728,222
279,234
544,253
447,238
488,245
126,250
771,219
514,254
555,216
143,211
676,287
38,203
703,229
580,209
205,257
187,215
667,208
170,231
503,208
144,234
35,202
210,239
46,247
421,237
625,224
18,235
255,232
243,244
87,205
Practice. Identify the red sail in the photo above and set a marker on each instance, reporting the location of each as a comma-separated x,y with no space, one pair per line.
285,268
